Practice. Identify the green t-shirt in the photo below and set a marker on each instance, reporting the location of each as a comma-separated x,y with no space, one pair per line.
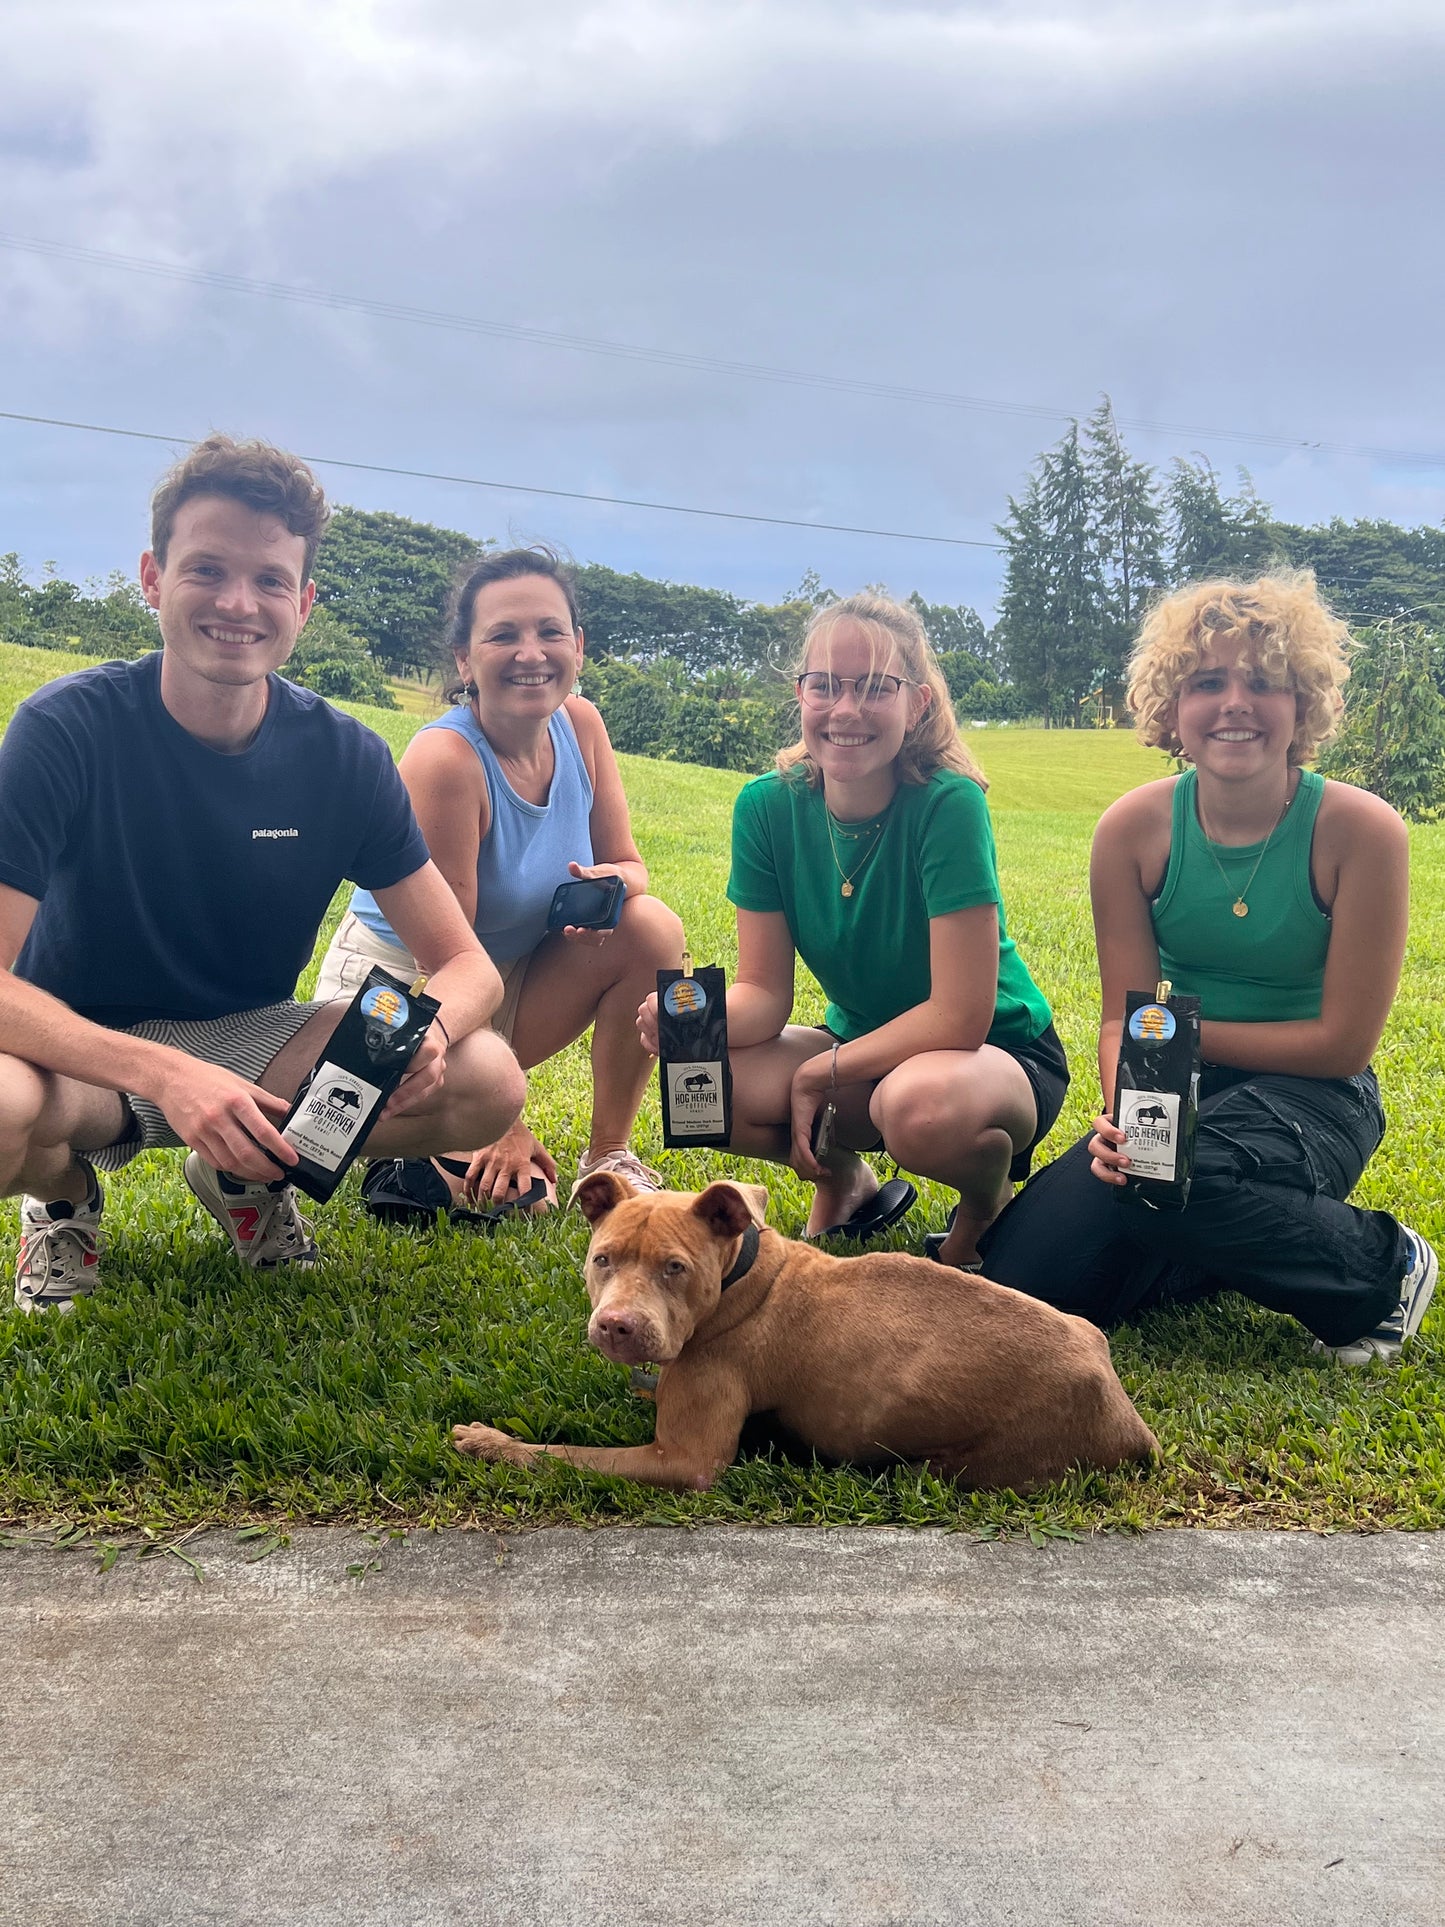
869,951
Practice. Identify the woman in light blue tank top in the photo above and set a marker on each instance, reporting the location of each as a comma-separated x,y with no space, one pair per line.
1280,900
517,790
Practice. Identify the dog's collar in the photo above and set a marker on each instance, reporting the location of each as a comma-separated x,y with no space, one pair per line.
746,1258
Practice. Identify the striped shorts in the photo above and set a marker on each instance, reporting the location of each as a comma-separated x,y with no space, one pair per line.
244,1042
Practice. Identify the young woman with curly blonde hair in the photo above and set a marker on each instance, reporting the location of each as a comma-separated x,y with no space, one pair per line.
869,853
1280,900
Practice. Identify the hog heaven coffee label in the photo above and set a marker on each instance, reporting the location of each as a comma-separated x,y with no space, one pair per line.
695,1094
331,1114
1150,1120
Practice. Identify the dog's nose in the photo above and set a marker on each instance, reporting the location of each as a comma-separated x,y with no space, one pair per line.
617,1324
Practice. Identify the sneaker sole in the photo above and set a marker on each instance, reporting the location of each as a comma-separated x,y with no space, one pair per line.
1425,1290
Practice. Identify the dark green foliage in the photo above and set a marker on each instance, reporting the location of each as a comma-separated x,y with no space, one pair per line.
632,616
1393,738
1053,620
388,579
1373,571
1127,521
331,660
723,721
112,622
1211,534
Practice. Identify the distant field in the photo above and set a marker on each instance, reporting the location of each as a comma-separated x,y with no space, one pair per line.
190,1391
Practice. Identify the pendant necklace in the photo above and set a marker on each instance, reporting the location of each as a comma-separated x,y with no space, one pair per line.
852,836
1239,906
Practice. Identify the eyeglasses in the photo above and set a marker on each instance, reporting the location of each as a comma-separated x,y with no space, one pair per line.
819,689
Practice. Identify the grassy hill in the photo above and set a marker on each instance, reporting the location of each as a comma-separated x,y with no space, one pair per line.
191,1391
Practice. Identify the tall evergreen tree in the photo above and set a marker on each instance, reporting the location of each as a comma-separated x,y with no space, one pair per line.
1077,600
1214,534
1128,523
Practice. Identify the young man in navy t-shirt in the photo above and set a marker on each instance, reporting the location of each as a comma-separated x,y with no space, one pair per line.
173,832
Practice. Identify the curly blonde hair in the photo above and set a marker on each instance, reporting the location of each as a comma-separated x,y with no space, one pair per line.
895,636
1287,633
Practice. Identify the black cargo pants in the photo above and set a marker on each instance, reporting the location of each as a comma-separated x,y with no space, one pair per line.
1266,1217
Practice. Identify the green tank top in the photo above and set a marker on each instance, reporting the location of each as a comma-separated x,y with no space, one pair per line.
1268,967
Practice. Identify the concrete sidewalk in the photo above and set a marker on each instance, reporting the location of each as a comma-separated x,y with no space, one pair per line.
729,1726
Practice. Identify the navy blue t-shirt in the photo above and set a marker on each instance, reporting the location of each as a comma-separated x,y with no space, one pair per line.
175,880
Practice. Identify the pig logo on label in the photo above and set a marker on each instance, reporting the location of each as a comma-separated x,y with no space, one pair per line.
1152,1024
344,1097
694,1093
1148,1122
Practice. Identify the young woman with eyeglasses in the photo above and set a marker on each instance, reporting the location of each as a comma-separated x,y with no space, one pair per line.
869,853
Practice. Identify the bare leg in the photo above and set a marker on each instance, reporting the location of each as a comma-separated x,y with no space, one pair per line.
762,1121
44,1120
479,1099
959,1117
570,985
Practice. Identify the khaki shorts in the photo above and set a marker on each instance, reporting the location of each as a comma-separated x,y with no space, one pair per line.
356,947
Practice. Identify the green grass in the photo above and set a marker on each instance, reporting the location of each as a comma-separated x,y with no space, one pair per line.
190,1391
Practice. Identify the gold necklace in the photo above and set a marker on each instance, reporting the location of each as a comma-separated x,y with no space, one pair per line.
1239,906
853,836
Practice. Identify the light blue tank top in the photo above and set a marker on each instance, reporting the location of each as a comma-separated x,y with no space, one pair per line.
525,853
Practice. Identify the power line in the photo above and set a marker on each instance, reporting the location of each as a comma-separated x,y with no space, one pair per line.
669,357
526,488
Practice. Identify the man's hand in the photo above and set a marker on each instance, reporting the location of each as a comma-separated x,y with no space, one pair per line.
225,1119
509,1165
1108,1148
424,1077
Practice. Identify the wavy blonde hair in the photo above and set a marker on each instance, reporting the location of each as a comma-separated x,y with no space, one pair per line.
895,636
1286,631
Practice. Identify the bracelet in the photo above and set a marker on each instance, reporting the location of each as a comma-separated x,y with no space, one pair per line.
437,1020
833,1067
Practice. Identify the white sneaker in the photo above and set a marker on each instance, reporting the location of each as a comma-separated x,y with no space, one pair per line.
626,1164
58,1261
1387,1340
262,1221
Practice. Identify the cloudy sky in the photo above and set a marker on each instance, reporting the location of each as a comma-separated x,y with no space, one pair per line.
1226,213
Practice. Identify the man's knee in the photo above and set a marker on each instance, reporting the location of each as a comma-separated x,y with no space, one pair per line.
25,1092
485,1089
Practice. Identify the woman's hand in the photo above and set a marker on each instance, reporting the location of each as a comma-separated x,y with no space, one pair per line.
1107,1147
509,1165
647,1023
812,1085
587,873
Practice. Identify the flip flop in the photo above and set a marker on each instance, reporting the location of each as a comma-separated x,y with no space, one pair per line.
413,1190
888,1204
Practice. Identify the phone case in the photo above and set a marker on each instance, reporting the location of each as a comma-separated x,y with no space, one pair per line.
558,917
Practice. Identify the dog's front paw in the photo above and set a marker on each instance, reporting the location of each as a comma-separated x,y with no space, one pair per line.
485,1442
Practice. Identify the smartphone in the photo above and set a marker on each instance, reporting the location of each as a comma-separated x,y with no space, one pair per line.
590,903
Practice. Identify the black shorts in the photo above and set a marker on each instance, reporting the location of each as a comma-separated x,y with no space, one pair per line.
1044,1064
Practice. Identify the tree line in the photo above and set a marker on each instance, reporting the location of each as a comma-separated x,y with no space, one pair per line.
698,674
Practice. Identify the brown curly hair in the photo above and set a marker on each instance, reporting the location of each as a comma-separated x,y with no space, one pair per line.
265,478
1287,633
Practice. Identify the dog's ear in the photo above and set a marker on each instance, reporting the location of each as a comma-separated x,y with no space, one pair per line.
601,1193
724,1209
756,1196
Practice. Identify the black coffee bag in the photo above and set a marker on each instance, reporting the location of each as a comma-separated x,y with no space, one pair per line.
343,1095
1156,1095
692,1051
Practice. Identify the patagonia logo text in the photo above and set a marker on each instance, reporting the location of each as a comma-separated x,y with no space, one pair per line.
272,836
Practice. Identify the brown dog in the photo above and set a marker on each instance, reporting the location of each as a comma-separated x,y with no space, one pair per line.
869,1359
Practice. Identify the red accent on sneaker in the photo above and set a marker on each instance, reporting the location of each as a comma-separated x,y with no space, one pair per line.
245,1217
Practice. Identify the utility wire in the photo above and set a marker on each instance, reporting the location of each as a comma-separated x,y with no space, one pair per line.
668,357
526,488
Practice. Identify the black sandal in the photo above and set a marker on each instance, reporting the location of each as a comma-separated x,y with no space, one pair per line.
412,1191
